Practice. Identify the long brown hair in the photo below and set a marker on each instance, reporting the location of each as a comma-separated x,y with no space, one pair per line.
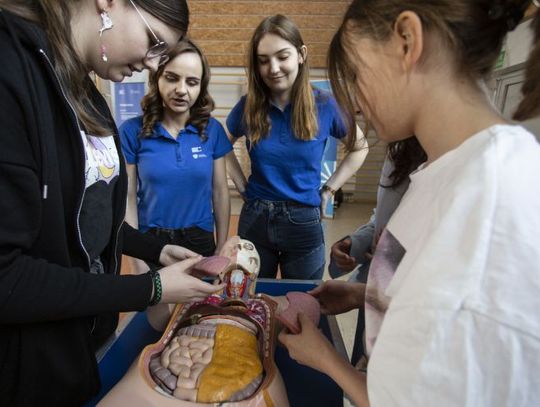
530,105
471,30
54,17
152,102
304,110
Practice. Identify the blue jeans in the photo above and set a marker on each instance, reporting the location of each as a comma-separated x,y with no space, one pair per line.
287,234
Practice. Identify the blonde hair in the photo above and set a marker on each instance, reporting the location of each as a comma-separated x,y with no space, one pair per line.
256,111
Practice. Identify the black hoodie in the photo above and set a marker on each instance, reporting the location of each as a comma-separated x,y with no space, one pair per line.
53,312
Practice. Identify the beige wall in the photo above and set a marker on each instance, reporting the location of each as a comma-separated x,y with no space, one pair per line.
223,28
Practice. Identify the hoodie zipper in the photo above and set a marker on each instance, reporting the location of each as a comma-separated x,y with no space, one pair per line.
115,247
80,135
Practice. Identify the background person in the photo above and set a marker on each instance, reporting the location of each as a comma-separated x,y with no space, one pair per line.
286,124
175,157
356,250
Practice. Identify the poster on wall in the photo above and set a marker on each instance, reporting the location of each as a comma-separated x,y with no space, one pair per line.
127,100
329,160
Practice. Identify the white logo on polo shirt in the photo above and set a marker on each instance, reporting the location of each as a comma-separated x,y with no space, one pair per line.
196,151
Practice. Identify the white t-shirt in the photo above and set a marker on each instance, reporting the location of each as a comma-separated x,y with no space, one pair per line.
462,326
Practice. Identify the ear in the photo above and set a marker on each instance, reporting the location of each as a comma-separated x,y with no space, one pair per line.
302,54
409,36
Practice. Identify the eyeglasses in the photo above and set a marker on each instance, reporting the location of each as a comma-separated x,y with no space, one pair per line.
159,49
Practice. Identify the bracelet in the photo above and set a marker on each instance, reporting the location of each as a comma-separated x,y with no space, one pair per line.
156,280
329,189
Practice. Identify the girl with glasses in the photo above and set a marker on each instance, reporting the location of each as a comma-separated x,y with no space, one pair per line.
175,157
286,124
63,184
451,300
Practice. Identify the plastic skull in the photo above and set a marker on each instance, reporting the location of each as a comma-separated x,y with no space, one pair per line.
239,264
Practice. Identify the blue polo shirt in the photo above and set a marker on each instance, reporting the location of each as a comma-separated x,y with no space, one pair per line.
174,176
284,168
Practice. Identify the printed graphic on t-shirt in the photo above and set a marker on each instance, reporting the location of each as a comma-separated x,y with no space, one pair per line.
385,261
102,161
96,215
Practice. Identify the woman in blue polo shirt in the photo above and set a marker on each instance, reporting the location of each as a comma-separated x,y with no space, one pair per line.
287,125
175,157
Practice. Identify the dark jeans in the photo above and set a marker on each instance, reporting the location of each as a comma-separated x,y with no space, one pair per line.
286,234
193,238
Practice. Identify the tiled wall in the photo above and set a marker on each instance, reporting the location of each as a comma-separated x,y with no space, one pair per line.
223,28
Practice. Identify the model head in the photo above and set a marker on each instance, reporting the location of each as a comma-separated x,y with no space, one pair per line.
387,55
179,88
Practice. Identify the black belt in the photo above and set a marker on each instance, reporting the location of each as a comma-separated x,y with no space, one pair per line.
279,204
172,233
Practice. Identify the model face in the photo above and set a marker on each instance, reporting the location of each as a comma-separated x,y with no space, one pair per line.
180,83
278,63
127,42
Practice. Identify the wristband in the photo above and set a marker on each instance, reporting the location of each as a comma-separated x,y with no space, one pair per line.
156,281
329,189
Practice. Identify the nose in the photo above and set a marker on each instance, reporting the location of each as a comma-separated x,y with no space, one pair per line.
180,88
151,63
274,66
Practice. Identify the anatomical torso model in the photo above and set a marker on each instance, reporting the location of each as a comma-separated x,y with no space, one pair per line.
219,351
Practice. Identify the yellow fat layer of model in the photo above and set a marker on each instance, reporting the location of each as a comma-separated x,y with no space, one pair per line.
235,364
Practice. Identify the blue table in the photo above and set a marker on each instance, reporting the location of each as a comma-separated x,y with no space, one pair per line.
305,386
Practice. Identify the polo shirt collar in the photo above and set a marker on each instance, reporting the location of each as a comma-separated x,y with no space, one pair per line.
161,132
287,107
